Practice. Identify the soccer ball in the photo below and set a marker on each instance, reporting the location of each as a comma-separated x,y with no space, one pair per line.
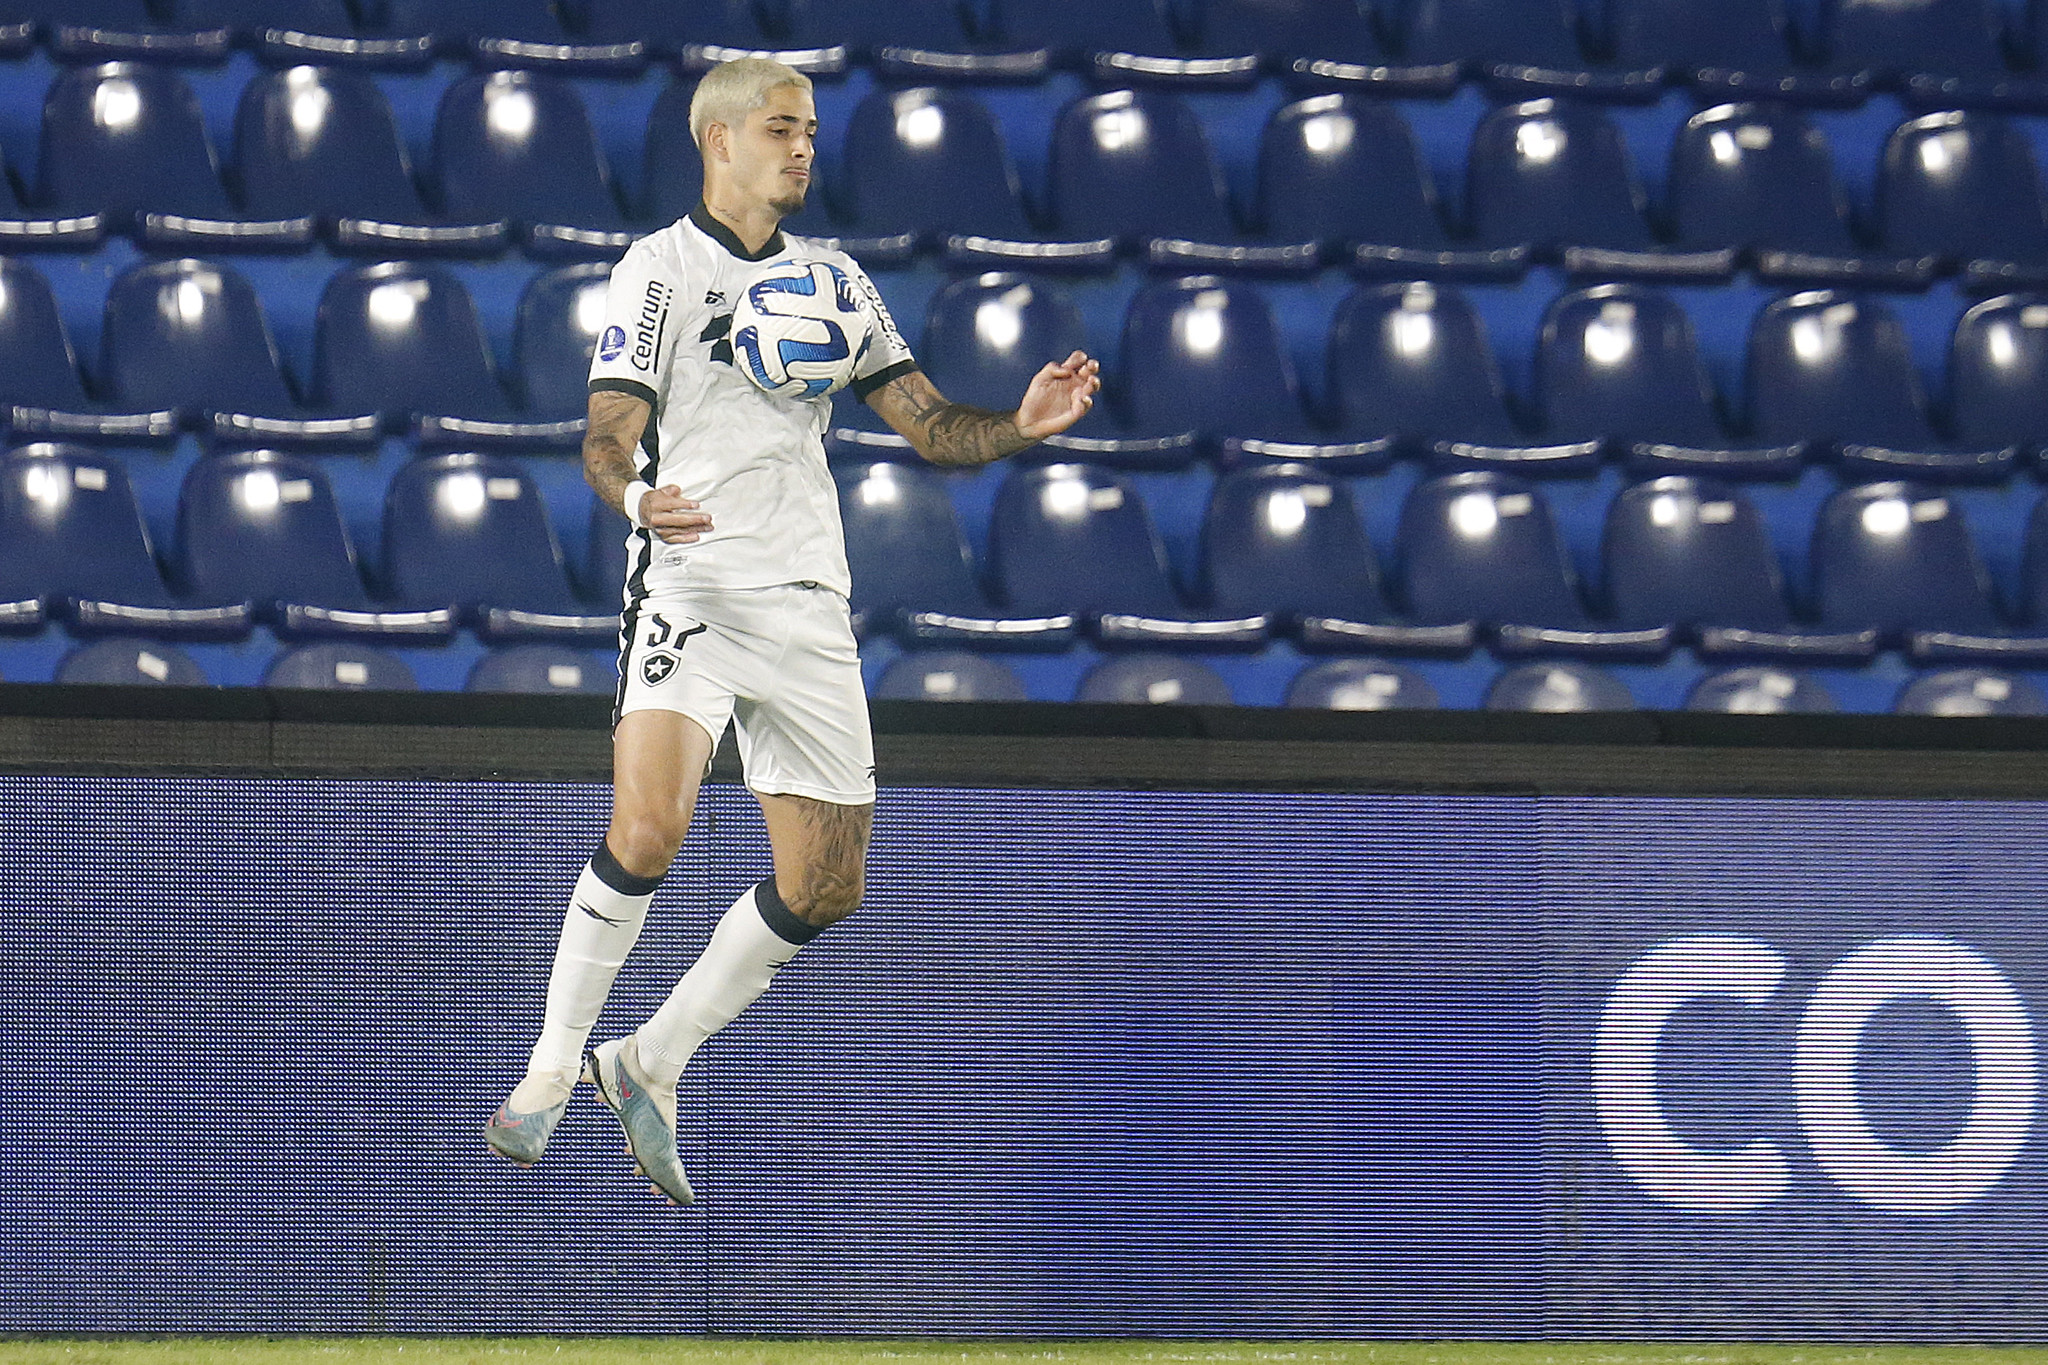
800,328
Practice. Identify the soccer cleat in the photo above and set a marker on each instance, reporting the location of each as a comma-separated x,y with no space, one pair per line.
521,1138
650,1133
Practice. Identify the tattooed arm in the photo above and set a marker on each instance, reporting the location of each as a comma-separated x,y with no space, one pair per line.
610,464
957,434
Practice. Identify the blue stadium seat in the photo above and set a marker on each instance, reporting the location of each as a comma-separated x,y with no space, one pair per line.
1730,49
517,146
1072,539
1998,374
1481,546
262,527
505,33
552,670
1970,692
1528,47
602,574
469,531
340,668
703,33
39,380
1899,558
1942,53
560,314
1121,40
1411,362
1155,680
912,572
131,661
403,340
1327,41
1557,176
1619,363
122,30
26,229
1835,370
2033,598
291,31
1558,687
1200,352
187,335
313,142
1964,188
948,675
1135,167
1285,542
1760,177
1694,554
1362,685
1760,691
1346,173
908,39
72,535
127,141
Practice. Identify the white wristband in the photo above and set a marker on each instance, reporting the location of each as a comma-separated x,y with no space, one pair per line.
635,491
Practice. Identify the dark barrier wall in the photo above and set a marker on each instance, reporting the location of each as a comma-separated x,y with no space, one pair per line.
1183,1063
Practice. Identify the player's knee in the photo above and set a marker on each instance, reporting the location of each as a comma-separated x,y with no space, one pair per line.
827,896
647,845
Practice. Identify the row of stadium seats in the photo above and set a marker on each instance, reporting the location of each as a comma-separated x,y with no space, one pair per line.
1202,370
1944,50
317,151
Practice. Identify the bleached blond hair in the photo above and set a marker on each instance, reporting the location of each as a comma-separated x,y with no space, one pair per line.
732,90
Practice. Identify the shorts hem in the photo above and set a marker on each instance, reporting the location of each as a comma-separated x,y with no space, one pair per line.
828,795
657,705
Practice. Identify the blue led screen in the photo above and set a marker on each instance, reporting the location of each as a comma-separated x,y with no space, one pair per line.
1118,1063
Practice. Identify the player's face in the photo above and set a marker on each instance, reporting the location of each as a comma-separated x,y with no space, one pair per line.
772,151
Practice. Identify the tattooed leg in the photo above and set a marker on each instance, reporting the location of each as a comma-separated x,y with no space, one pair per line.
820,855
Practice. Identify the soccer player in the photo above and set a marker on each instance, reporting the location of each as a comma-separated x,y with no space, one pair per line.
735,608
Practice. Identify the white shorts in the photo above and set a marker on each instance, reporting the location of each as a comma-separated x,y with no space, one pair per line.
780,663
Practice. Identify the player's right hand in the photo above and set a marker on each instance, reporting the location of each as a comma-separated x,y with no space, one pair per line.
672,517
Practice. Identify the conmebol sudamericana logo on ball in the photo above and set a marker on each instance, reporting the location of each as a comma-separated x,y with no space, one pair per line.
800,328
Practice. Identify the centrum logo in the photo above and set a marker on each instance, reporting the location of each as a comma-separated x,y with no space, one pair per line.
1831,1113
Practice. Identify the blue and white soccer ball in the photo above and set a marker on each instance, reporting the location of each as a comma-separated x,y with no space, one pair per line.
800,328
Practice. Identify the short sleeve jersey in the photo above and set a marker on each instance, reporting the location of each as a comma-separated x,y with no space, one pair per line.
755,461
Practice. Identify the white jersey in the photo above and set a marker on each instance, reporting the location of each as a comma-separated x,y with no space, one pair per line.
755,462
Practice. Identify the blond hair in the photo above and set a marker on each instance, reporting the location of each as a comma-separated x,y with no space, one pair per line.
732,90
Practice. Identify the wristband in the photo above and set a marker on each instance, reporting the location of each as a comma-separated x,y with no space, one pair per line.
635,491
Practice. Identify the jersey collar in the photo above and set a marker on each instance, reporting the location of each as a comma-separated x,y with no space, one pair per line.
725,237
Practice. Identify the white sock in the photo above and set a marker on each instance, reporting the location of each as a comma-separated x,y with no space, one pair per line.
752,942
600,928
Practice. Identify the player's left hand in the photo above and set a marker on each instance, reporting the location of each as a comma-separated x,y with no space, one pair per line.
1059,396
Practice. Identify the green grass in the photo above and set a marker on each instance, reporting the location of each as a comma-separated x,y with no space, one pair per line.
930,1351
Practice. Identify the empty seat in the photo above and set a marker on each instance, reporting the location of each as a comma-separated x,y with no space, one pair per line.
948,675
700,31
1346,173
1362,685
517,146
127,140
1760,177
470,532
1964,188
72,534
1900,559
123,30
603,572
1285,542
1998,374
1075,540
1527,47
1760,691
312,142
340,668
1693,554
1835,370
505,33
322,31
1326,40
126,661
188,335
1620,364
915,39
262,527
1944,52
1557,177
1411,362
912,572
1731,48
39,379
1970,692
1558,687
1155,680
1482,547
1120,39
404,340
26,229
551,670
560,315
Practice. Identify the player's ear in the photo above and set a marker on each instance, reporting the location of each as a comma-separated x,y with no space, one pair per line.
717,142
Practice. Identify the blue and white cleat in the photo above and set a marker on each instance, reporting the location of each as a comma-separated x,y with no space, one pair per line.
650,1125
521,1138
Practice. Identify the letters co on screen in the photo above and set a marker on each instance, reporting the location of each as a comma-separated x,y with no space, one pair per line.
1831,1114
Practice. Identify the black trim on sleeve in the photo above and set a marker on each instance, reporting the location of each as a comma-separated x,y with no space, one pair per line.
727,238
863,387
632,386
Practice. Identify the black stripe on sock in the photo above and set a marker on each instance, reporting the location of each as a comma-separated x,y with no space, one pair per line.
778,916
617,878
